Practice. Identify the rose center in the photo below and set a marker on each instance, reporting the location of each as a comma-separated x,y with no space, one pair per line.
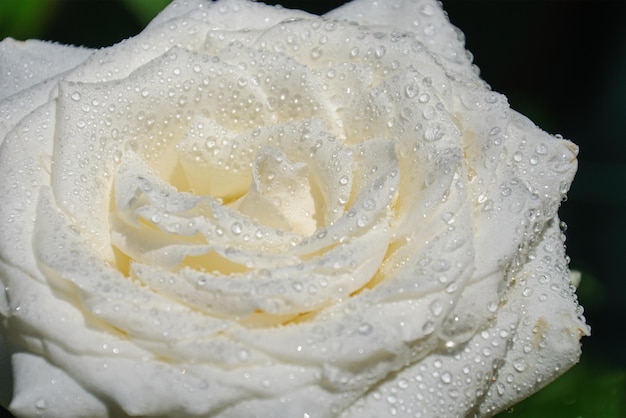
259,181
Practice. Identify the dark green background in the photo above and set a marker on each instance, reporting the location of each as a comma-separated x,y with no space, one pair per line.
561,63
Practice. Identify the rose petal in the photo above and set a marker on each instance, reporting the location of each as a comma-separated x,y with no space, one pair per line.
24,168
214,163
443,384
41,388
23,64
517,181
284,290
423,18
31,70
66,256
547,341
505,362
184,24
235,15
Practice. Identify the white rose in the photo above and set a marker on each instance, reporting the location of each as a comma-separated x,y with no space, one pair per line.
252,211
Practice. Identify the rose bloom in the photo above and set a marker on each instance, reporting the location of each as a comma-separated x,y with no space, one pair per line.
249,211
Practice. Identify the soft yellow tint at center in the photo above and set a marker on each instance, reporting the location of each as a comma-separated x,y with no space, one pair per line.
214,263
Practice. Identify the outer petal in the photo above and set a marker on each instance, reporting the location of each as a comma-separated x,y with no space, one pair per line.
25,64
24,167
184,24
424,18
29,72
44,390
534,338
546,342
227,14
445,384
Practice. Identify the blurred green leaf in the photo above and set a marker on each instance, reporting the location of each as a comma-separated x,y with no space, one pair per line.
146,10
25,18
589,390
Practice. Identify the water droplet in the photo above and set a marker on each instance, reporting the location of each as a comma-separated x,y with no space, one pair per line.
210,142
500,388
236,228
494,131
458,329
441,265
446,377
316,52
75,96
427,10
541,149
365,329
544,279
454,244
436,307
519,364
434,133
243,355
411,91
369,204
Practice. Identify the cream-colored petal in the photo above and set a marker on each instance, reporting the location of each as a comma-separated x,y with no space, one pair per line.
282,290
423,18
235,15
518,177
24,64
547,341
25,164
448,383
41,389
30,70
68,259
285,186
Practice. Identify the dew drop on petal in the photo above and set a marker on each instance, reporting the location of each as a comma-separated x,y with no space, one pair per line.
236,228
365,329
519,364
41,403
446,377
